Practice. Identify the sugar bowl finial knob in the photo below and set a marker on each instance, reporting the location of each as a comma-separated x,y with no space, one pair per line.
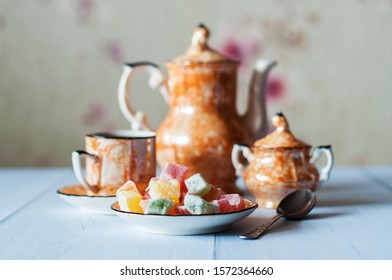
280,122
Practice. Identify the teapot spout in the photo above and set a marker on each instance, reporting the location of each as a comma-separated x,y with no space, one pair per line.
255,117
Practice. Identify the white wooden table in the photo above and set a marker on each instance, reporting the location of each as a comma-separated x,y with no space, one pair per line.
352,220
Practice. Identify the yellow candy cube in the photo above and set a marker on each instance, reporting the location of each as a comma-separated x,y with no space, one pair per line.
165,189
129,201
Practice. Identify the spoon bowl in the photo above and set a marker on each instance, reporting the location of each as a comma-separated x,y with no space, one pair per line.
297,204
294,206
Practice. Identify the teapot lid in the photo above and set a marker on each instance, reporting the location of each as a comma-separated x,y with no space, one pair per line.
199,50
281,137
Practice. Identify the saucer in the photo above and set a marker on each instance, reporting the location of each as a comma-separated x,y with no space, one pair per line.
185,224
77,195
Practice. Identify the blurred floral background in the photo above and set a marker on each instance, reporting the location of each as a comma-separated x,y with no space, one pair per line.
60,64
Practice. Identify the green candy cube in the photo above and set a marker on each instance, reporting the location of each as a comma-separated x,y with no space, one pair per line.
196,184
159,206
196,205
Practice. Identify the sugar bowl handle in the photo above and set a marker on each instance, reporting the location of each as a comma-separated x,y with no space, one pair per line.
326,170
157,80
76,157
246,152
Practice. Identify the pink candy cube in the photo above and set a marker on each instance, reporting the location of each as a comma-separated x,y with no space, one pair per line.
181,210
175,171
214,194
230,203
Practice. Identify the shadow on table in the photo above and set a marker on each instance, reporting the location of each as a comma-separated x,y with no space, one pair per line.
244,226
351,202
323,215
282,225
285,225
345,195
279,226
334,188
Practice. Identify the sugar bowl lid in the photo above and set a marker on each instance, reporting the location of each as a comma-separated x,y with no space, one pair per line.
281,137
199,50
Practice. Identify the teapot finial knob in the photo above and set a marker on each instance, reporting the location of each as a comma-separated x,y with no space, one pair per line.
280,122
200,37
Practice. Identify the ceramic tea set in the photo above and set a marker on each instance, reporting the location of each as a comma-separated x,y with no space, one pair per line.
202,124
203,131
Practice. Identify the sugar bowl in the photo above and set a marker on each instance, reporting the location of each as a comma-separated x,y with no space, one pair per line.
280,164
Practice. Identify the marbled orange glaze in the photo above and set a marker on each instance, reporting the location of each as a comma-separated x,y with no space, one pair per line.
275,172
120,160
280,164
202,124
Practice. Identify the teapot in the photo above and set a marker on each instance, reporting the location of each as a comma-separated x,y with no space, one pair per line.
202,123
280,164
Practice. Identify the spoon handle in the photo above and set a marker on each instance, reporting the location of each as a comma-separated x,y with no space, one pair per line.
254,234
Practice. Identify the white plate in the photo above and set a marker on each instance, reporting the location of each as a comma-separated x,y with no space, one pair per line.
76,195
185,224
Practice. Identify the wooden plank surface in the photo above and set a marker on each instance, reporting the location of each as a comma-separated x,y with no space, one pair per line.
20,186
381,174
351,220
49,228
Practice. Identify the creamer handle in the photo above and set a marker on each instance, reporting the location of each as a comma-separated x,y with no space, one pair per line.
76,156
326,170
246,152
138,119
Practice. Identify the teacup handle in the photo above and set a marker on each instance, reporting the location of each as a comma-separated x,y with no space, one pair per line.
76,156
326,170
246,152
157,80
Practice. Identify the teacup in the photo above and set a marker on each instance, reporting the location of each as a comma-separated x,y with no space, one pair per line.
113,158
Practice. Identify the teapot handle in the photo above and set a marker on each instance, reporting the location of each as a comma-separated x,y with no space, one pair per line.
326,170
157,80
246,152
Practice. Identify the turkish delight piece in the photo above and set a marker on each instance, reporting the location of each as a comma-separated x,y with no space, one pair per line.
230,203
196,184
146,195
159,206
165,189
175,171
214,194
128,186
196,205
181,210
128,198
143,204
154,179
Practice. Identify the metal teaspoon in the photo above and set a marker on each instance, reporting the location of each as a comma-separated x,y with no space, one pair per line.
296,205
